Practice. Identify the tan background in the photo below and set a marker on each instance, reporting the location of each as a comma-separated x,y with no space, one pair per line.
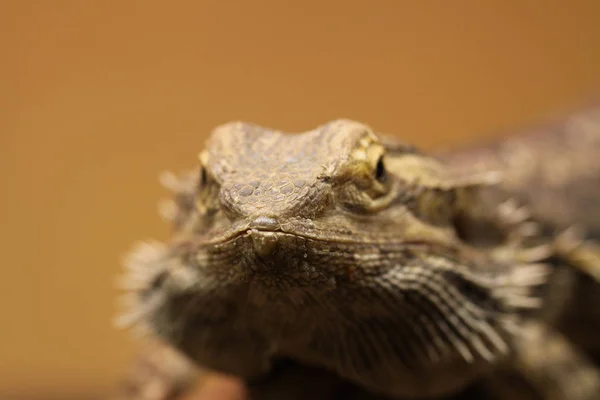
97,97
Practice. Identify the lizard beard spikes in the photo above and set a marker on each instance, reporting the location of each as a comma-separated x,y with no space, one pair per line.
475,312
143,271
442,310
149,268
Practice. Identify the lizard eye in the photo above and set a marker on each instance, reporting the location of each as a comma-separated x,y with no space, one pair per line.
203,176
203,179
380,171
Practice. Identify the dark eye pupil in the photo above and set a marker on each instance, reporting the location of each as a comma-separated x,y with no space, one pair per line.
380,173
203,177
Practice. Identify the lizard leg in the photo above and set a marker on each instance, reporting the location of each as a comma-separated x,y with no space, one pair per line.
580,318
558,370
581,255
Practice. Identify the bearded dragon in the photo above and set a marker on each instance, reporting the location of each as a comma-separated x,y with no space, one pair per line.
345,256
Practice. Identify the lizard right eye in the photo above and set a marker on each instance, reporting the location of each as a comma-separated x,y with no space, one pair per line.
380,171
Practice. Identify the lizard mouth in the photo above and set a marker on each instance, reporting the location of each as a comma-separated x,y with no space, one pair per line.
313,235
265,241
260,227
249,230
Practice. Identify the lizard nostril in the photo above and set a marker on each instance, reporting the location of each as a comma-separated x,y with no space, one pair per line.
265,223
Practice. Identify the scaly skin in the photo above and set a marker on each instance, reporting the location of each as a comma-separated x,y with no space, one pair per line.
555,171
398,273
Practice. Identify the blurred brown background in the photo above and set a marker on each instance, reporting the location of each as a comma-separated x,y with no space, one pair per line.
96,97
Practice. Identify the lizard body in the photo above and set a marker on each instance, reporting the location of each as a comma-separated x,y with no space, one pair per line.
399,273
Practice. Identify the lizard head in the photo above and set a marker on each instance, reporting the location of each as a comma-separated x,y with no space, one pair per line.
278,196
320,244
262,183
